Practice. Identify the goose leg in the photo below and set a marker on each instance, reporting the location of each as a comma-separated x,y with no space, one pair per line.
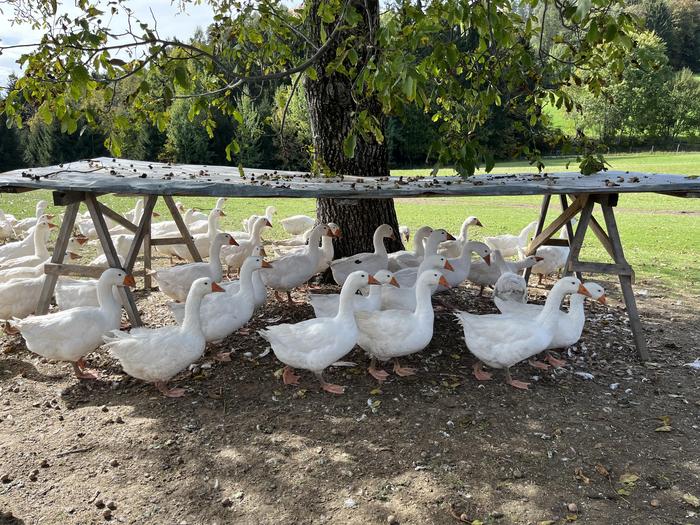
556,363
329,387
289,377
162,387
481,291
289,298
81,372
377,373
278,297
481,374
514,382
538,364
403,371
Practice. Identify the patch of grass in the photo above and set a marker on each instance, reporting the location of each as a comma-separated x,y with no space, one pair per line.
660,233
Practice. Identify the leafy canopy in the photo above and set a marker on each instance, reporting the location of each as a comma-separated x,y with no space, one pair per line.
454,60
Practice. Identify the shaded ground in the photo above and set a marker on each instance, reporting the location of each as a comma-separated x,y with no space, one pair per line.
434,448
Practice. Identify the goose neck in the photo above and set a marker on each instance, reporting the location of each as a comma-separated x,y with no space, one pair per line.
423,300
378,241
551,306
215,260
431,245
105,297
246,281
346,302
40,249
192,322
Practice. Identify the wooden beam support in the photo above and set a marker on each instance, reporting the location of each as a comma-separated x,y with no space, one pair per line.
544,207
77,270
596,267
116,217
140,232
556,225
59,253
167,241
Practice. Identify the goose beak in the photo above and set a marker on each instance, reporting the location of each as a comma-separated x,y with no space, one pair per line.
408,237
392,236
216,288
129,281
394,282
266,264
538,258
232,242
478,223
81,240
487,259
51,225
602,299
372,280
450,237
443,282
263,253
156,214
268,223
582,290
337,233
50,215
73,256
222,213
448,266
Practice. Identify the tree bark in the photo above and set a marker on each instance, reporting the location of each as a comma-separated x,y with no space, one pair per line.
331,110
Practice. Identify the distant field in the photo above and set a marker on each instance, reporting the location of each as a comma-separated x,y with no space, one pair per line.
661,234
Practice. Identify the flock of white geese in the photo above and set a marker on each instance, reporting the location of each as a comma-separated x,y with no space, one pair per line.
384,306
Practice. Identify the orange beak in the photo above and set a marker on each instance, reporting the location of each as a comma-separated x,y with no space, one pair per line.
392,236
478,223
448,266
602,299
232,242
582,290
450,237
538,258
216,288
51,225
487,259
129,281
372,280
50,215
81,240
443,282
268,223
394,282
266,264
74,256
263,253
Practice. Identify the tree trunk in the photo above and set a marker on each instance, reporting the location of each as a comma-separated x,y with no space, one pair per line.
331,110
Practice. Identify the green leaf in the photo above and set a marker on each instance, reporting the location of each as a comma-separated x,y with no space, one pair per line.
45,112
234,147
182,77
312,73
349,145
80,76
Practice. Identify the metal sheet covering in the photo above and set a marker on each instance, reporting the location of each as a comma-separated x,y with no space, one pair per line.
121,176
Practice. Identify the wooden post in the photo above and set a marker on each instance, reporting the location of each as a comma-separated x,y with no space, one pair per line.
182,227
59,253
546,199
111,254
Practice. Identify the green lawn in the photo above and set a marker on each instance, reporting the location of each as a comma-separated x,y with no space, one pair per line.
661,234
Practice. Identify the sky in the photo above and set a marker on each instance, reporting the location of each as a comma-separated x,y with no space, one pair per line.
171,23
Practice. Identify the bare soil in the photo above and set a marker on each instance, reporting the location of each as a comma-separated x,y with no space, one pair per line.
605,440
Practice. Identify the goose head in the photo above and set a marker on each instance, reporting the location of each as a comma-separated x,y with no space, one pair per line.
78,240
569,285
386,231
443,235
596,291
257,262
270,211
180,207
258,251
438,262
331,230
472,221
432,278
337,233
118,277
405,232
223,239
422,232
203,286
359,279
481,250
41,206
218,212
386,277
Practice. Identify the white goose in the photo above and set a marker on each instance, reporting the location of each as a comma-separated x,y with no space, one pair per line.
157,355
453,249
404,298
24,272
248,223
500,341
327,249
72,334
510,287
294,270
7,230
202,241
553,257
258,286
408,259
175,282
199,216
316,344
405,232
122,244
326,305
223,314
19,297
297,224
41,253
203,226
234,256
391,334
486,275
168,250
508,244
408,276
13,250
25,224
369,262
169,228
461,266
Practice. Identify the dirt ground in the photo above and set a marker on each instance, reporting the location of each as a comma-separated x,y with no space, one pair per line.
605,440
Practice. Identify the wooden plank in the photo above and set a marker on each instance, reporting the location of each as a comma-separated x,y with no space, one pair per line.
577,241
116,217
544,207
140,232
111,255
147,264
597,267
59,253
167,241
76,270
182,228
602,237
556,224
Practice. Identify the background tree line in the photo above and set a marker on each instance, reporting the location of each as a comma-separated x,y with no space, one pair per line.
656,105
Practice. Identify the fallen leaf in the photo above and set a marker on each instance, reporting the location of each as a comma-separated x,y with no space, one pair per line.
375,391
300,394
628,478
571,517
581,476
477,522
623,492
600,469
546,522
664,428
666,420
691,500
